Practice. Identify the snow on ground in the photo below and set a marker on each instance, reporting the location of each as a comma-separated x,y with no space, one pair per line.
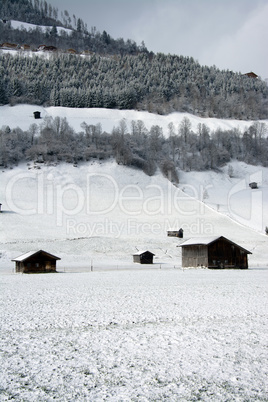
232,195
22,116
149,335
120,332
26,26
100,214
57,202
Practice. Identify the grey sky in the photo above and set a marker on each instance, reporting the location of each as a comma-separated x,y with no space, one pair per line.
231,34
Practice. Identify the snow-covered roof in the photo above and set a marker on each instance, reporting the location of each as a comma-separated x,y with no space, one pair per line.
142,252
200,240
24,257
205,241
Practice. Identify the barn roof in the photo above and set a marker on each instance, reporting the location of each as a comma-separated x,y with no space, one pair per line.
205,241
200,241
25,256
142,252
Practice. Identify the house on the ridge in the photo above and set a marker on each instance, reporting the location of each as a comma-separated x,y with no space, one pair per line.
25,47
36,262
7,45
143,257
45,48
251,75
213,252
71,51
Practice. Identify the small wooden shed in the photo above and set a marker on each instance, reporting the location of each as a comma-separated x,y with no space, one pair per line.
213,252
36,262
253,185
37,115
143,257
175,233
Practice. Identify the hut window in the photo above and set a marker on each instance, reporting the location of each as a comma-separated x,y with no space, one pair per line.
28,264
37,264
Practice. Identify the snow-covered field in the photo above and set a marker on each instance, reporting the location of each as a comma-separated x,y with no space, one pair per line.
22,116
150,335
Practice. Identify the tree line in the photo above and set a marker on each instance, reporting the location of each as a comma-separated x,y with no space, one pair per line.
157,83
183,149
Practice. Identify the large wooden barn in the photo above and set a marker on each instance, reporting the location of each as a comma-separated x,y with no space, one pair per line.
213,252
143,257
36,262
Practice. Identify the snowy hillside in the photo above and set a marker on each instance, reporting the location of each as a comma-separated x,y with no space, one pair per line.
22,116
26,26
101,214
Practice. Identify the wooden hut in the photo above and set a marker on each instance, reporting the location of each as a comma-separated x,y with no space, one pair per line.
253,185
175,233
37,115
143,257
213,252
45,48
36,262
8,45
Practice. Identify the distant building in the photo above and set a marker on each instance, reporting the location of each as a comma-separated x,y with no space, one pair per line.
45,48
251,75
7,45
143,257
37,115
175,233
36,262
25,47
253,185
72,51
213,252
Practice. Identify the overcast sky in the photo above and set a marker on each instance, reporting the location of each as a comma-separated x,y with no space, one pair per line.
231,34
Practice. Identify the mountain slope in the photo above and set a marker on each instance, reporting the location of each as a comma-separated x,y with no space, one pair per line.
156,83
119,74
101,214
